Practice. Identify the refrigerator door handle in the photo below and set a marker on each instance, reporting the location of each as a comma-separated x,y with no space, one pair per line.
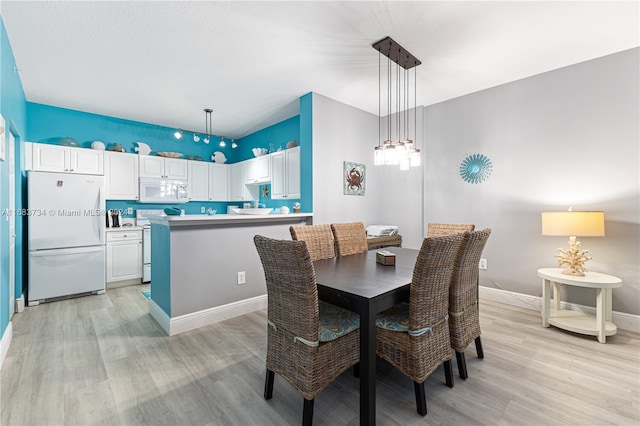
66,251
101,209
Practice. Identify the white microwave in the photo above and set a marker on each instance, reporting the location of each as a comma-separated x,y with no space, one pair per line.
163,191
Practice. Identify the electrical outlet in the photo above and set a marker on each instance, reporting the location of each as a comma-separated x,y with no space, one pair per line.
241,278
482,264
202,209
129,210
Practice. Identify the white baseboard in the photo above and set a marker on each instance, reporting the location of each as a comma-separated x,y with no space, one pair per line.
198,319
622,320
5,342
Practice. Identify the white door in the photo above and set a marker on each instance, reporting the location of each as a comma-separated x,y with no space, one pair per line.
87,161
121,176
151,166
218,182
12,225
198,181
51,158
293,172
175,168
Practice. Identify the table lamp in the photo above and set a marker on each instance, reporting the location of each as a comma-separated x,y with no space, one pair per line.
584,224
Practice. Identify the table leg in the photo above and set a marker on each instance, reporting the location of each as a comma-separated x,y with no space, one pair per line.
556,296
600,314
367,368
546,289
608,307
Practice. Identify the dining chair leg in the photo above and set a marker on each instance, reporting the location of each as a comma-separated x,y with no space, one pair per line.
479,350
356,370
268,384
307,412
421,398
448,373
462,365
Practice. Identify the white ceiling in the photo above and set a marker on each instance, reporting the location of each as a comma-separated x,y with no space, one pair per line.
164,62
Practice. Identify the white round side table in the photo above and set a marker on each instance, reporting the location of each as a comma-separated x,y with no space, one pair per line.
578,322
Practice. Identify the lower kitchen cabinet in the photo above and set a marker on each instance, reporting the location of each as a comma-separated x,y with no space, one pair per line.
124,255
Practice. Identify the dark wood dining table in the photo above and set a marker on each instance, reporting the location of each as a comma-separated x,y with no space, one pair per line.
362,285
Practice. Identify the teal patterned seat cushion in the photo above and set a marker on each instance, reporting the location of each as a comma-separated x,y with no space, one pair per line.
396,318
335,322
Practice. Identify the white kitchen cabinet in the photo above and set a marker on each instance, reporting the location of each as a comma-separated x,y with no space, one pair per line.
198,180
258,170
285,174
121,175
238,191
66,159
161,167
218,182
124,255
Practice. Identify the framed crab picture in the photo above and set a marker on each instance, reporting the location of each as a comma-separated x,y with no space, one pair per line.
354,178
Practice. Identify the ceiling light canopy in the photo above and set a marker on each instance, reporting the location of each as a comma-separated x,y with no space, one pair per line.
398,148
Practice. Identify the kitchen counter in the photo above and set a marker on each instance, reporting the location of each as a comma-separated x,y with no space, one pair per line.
206,268
124,228
219,219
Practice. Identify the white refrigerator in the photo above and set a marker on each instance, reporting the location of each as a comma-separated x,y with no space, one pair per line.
66,228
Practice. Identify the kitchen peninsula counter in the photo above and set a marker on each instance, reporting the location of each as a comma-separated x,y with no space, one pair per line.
206,268
220,219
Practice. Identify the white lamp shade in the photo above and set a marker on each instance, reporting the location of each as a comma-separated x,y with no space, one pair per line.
581,224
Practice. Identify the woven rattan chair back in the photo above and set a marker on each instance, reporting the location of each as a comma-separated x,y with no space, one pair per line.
350,238
291,287
426,346
319,239
429,291
441,229
464,319
293,347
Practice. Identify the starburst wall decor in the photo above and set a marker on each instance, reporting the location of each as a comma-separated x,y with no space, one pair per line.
476,168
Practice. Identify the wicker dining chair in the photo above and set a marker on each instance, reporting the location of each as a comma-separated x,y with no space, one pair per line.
309,343
440,229
414,336
350,238
464,317
319,239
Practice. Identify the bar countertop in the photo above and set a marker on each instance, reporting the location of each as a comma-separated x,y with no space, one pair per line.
219,219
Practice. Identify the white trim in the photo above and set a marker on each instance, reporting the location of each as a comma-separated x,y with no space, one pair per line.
182,323
623,320
20,304
160,316
7,336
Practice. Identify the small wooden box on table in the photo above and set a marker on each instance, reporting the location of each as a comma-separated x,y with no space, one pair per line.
578,322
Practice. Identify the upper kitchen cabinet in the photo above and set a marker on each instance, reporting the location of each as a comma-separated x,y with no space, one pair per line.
238,191
285,174
160,167
198,180
121,175
258,170
218,182
66,159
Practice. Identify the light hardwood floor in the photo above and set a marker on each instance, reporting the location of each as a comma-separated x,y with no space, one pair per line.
102,360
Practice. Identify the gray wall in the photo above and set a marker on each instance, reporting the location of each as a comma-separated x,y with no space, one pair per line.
564,138
343,133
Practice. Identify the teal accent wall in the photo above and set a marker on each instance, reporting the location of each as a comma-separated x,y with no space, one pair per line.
277,135
13,110
306,153
161,271
49,124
